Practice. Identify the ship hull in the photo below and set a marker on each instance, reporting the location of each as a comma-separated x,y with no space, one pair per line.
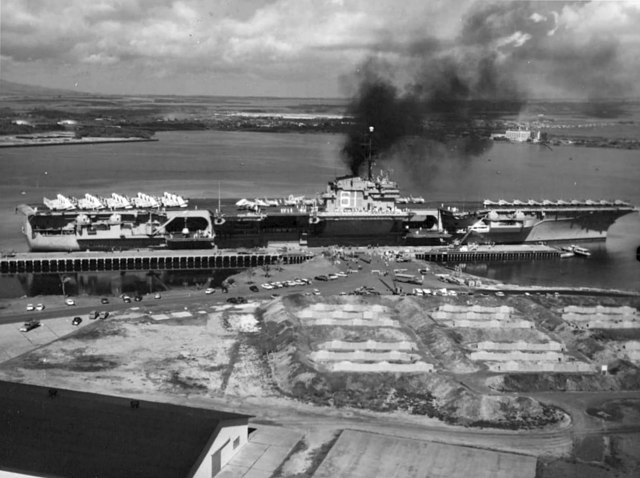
116,230
502,235
304,229
357,224
562,227
538,226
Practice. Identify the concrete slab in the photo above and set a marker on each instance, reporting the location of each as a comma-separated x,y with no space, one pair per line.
359,455
256,473
278,436
271,458
14,343
249,454
267,448
181,315
160,316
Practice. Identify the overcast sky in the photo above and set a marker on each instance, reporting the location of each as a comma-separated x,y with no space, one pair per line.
313,48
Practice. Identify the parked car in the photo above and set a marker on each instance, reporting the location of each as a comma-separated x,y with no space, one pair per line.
104,300
93,315
76,321
157,296
31,307
69,301
30,325
40,307
237,300
103,315
137,298
267,286
322,278
126,299
210,290
253,288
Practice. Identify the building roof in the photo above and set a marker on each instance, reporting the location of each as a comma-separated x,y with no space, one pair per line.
69,433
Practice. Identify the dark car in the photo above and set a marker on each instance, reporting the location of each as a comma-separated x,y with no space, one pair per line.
137,298
237,300
322,277
76,321
254,288
104,300
30,325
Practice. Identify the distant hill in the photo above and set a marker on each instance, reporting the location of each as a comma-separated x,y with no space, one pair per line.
9,88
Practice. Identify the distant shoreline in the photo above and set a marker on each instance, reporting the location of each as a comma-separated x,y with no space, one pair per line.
67,141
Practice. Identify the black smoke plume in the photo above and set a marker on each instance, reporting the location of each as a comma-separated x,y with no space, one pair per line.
438,104
440,92
380,107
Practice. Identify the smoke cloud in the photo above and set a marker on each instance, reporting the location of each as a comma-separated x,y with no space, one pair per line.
435,89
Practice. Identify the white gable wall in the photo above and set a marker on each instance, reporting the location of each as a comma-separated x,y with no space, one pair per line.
229,438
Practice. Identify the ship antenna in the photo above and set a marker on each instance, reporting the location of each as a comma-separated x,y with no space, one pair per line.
370,155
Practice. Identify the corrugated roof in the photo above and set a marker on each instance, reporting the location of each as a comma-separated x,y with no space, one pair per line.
83,434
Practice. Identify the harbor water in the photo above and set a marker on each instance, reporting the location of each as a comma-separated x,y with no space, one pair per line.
249,164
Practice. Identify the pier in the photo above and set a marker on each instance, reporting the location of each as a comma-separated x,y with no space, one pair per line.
47,263
489,253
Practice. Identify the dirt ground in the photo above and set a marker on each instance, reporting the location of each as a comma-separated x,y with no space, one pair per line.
198,349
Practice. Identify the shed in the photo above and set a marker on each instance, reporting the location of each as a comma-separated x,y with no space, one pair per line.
56,432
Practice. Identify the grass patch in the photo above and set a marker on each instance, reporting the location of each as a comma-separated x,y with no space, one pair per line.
317,457
185,383
234,353
298,448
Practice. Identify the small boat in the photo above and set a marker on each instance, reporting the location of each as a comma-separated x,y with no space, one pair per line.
566,251
581,251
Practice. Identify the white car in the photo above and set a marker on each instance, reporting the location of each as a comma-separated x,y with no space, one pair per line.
69,301
30,307
40,307
210,290
267,286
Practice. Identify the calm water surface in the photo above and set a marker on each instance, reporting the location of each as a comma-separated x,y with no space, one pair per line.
250,165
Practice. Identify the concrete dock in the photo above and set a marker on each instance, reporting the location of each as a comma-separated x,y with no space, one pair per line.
138,260
518,252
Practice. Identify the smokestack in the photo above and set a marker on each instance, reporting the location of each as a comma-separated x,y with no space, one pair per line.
371,128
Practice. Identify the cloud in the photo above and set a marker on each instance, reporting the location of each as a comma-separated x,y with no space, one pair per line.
537,18
295,43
